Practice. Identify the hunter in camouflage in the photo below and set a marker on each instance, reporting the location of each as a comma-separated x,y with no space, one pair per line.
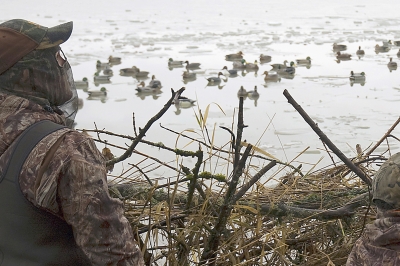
380,242
36,84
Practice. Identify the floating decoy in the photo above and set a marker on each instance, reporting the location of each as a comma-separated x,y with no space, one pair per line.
142,88
114,60
154,82
387,43
99,78
271,77
339,47
101,65
101,92
280,66
381,49
215,79
392,65
359,51
188,75
237,56
171,62
229,72
182,101
343,56
129,71
253,95
192,65
82,84
306,61
108,71
290,70
141,74
252,66
357,76
242,92
239,64
265,58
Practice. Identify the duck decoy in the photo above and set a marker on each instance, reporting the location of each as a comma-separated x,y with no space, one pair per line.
253,95
279,66
142,88
114,60
141,74
100,65
81,84
237,56
357,76
101,78
154,82
182,101
252,66
392,65
265,58
239,64
387,43
98,93
192,65
108,71
290,70
242,92
306,61
229,72
172,63
343,56
128,71
188,75
359,51
339,47
381,49
271,77
214,80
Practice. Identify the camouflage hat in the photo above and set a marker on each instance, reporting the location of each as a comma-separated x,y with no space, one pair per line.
19,37
386,183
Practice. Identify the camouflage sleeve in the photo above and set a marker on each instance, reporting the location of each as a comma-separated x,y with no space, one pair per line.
99,225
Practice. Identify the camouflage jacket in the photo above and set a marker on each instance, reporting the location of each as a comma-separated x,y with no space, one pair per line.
74,185
380,242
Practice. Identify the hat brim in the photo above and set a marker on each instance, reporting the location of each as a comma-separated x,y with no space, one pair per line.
56,35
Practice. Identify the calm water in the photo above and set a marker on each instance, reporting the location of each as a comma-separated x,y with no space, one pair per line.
146,33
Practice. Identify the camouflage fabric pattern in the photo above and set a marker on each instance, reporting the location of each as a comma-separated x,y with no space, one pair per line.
44,36
74,186
38,77
380,242
386,183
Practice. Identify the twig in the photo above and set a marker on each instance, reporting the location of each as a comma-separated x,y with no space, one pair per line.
142,132
325,139
384,137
